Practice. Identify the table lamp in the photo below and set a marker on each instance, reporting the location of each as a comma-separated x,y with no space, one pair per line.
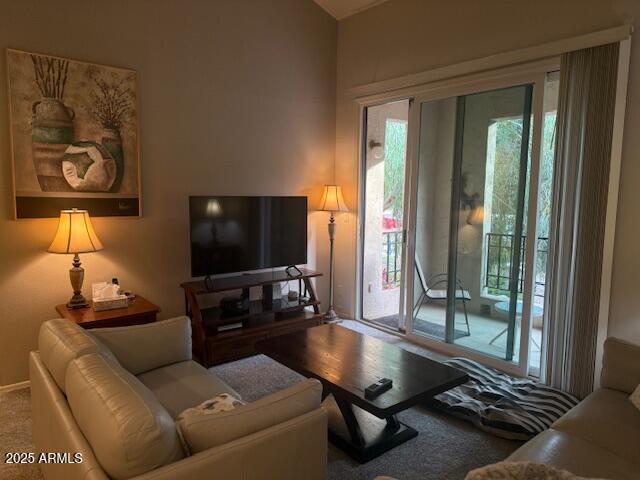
332,201
75,235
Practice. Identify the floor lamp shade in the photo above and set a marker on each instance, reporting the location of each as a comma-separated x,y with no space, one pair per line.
332,199
75,234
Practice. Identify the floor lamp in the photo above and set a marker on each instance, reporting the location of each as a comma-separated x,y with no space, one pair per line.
332,201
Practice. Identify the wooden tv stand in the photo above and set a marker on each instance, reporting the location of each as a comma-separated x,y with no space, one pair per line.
213,336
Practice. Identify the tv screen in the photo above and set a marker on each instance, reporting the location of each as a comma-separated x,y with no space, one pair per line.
236,234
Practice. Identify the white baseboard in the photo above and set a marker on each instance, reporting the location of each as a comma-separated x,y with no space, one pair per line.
14,386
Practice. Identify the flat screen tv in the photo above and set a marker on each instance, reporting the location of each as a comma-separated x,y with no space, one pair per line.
238,234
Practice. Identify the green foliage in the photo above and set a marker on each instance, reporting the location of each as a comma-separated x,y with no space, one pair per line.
504,194
395,151
546,174
506,175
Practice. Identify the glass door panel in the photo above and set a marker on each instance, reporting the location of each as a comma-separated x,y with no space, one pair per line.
470,220
383,177
490,221
433,216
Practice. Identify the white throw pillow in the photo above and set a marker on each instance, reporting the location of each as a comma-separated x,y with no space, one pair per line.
225,402
635,397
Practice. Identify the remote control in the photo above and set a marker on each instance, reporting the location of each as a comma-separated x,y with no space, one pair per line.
377,388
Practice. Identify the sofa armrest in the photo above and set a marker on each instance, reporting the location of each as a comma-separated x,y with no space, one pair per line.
54,428
140,348
620,365
288,451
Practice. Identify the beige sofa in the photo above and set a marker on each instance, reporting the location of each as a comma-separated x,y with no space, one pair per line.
600,437
112,395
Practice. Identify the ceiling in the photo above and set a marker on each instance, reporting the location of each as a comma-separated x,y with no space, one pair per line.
340,9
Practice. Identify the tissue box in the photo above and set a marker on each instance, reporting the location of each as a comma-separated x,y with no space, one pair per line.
101,304
105,297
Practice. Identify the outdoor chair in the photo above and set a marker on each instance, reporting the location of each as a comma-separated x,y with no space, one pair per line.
431,292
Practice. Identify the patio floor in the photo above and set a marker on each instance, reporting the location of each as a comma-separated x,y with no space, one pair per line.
483,330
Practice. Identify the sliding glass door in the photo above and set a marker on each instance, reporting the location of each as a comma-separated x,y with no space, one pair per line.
477,255
456,192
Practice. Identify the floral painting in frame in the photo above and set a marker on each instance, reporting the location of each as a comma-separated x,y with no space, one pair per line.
74,136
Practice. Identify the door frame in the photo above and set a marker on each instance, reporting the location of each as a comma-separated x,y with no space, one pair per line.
535,77
528,73
362,190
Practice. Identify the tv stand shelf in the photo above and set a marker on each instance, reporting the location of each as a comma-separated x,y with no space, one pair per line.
220,337
215,316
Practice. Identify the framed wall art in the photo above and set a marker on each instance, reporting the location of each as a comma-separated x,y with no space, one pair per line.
74,136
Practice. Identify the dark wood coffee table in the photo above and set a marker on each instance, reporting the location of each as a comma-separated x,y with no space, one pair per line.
346,362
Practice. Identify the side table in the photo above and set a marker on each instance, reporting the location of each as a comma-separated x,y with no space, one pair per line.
140,310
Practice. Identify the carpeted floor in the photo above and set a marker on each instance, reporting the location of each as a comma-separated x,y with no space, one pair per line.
15,434
446,448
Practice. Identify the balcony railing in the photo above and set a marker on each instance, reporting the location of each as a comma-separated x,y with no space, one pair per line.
498,263
497,258
391,258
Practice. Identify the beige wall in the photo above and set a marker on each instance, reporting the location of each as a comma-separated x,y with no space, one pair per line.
236,97
401,37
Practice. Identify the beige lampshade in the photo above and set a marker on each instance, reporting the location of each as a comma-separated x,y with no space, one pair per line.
332,200
75,234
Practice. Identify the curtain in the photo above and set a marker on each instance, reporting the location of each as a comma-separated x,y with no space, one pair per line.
584,125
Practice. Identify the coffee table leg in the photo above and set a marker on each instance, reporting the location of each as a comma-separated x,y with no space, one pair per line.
393,423
365,436
350,421
325,394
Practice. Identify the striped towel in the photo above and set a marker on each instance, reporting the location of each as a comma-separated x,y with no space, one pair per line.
514,408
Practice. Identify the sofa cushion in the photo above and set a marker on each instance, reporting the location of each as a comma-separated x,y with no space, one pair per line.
580,457
607,419
60,341
127,428
505,406
140,348
224,402
183,385
620,365
201,432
